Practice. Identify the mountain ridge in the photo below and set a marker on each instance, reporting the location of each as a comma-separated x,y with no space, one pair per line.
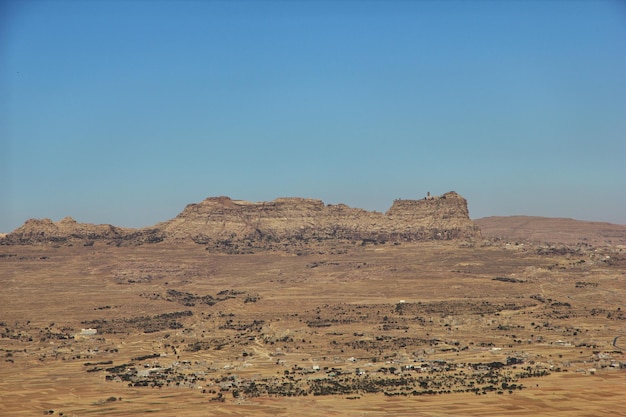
224,224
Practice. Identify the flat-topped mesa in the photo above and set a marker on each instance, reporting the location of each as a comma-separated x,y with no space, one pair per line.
223,218
434,217
220,219
216,206
285,223
449,206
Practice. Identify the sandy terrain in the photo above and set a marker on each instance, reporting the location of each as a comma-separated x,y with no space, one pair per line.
421,329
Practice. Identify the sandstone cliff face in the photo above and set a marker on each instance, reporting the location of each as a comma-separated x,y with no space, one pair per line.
446,216
237,226
220,221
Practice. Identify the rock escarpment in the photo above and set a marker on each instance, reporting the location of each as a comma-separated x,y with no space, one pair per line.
237,226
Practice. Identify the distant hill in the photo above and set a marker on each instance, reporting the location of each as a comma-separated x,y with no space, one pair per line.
557,230
237,226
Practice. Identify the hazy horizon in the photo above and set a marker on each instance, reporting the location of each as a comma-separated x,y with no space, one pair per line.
240,199
124,112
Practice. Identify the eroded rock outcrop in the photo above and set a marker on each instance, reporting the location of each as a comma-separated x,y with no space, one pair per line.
69,231
238,226
290,222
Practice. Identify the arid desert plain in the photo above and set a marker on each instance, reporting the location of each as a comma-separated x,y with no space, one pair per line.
465,326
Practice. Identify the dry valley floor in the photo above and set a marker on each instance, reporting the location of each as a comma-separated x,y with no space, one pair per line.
412,329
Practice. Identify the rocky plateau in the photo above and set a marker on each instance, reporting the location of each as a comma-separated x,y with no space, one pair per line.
237,226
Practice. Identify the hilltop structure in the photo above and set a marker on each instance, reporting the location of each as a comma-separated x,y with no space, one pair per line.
234,225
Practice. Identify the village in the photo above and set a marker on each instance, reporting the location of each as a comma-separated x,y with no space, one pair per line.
423,320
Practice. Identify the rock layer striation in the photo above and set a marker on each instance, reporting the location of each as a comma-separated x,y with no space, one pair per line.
234,225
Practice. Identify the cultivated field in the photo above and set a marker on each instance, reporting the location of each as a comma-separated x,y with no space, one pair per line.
419,329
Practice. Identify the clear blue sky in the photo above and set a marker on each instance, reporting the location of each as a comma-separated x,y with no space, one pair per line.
123,112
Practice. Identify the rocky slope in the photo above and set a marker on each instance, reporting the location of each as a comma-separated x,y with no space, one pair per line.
68,230
240,226
222,222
